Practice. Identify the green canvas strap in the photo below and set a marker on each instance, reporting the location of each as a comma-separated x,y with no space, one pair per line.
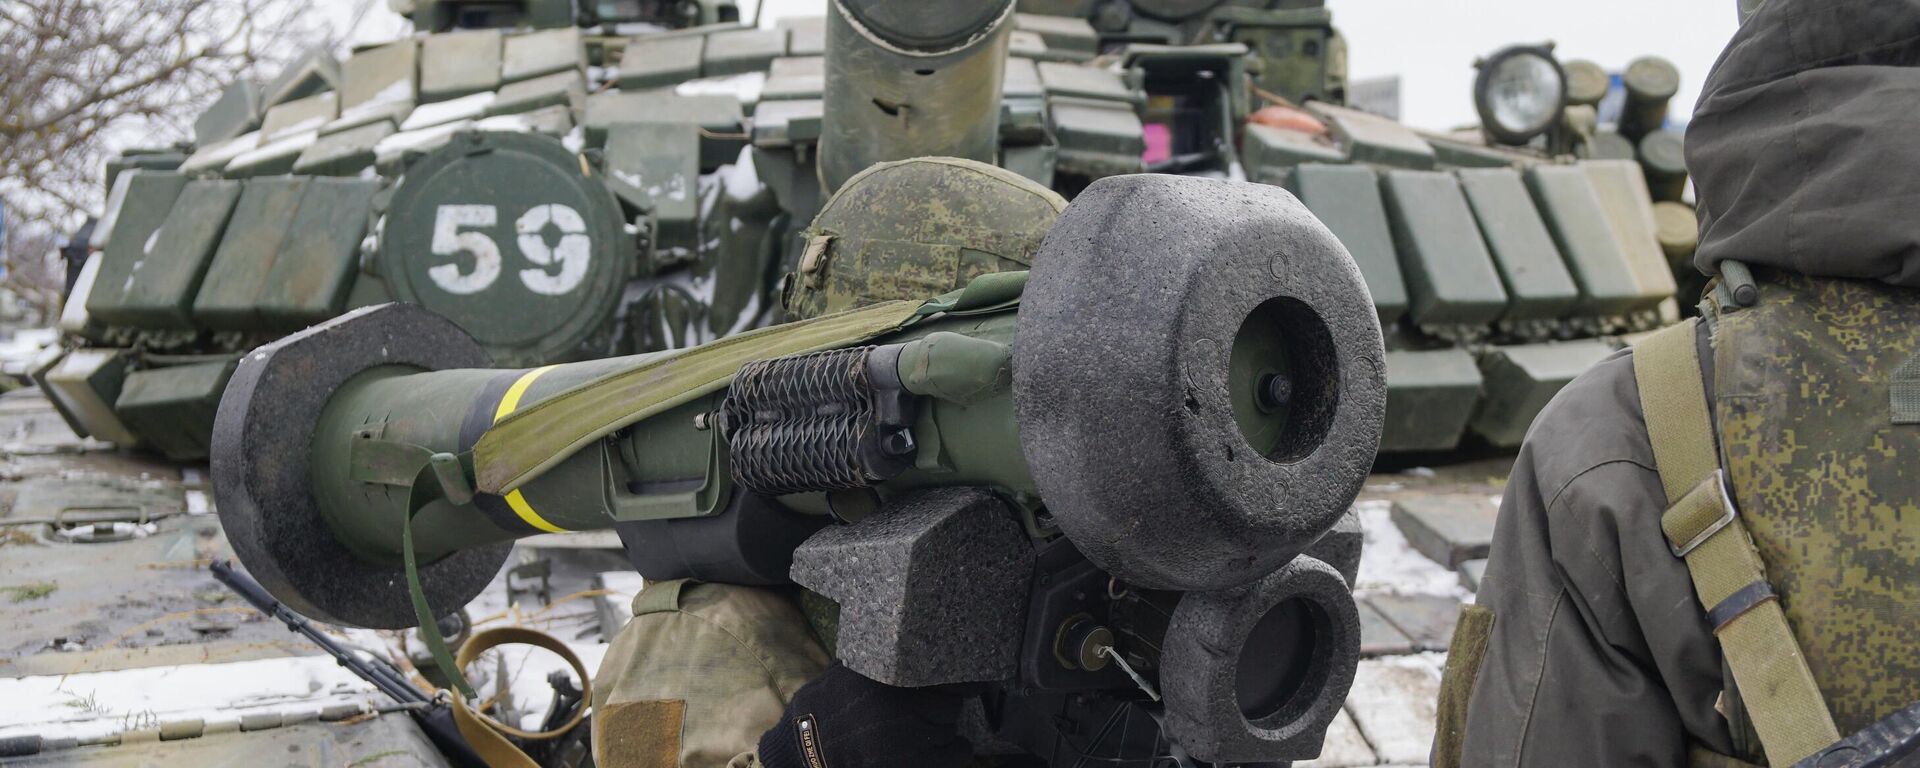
419,496
532,440
1703,527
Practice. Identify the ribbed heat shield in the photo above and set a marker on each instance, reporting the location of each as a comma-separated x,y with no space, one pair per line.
813,422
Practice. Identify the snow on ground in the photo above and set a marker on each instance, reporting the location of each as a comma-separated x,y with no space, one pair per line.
96,704
1389,565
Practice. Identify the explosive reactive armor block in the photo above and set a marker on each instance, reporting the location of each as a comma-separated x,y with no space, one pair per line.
289,255
533,54
1267,151
454,64
795,78
85,384
235,112
346,153
138,204
174,407
662,61
1347,199
744,50
1450,276
1374,139
1520,380
1538,285
158,288
561,88
1430,396
1577,218
1622,190
1098,138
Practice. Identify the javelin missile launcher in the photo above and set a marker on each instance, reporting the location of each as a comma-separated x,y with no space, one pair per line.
569,184
1111,488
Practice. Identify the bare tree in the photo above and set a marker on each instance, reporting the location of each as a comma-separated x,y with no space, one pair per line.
81,80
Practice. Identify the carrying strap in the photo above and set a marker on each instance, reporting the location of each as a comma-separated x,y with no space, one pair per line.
423,614
488,736
532,440
529,441
1703,527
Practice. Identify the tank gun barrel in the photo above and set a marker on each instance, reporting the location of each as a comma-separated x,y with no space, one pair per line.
910,80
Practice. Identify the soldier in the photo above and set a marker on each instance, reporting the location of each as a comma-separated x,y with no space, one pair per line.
1707,550
703,670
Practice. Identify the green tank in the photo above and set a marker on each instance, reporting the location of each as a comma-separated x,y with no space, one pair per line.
636,177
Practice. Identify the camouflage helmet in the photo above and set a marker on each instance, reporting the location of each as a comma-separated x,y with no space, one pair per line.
915,229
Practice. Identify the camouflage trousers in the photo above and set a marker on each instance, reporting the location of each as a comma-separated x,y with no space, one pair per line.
698,674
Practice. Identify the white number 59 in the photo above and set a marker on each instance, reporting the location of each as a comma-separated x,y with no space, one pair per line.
449,240
572,254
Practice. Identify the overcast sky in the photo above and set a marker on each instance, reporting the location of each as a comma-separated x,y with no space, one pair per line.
1431,44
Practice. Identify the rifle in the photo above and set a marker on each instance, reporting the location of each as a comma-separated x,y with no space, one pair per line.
434,716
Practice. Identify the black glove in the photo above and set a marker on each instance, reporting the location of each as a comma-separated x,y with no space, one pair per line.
843,720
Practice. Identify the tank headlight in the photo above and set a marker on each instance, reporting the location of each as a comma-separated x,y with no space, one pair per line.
1520,93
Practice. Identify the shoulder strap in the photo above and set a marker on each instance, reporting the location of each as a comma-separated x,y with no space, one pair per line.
1702,526
658,597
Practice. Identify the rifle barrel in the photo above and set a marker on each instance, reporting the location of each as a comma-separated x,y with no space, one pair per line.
380,675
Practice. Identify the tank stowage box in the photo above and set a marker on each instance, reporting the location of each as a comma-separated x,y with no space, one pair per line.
656,167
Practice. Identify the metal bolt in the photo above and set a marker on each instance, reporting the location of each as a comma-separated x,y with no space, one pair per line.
1275,392
898,443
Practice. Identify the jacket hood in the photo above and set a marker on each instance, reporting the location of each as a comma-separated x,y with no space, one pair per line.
1805,145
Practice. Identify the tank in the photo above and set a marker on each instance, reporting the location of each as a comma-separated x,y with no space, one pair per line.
633,177
659,163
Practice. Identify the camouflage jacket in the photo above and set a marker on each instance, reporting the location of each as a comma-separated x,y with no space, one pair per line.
1596,649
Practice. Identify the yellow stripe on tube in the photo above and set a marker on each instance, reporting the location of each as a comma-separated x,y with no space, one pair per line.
508,403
